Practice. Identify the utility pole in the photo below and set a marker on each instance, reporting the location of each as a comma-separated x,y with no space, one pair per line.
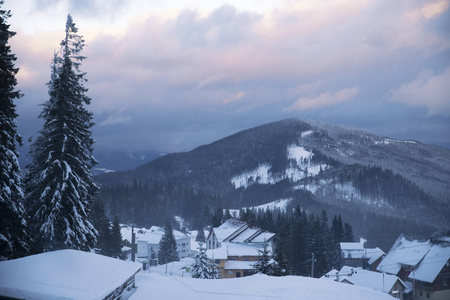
133,244
312,265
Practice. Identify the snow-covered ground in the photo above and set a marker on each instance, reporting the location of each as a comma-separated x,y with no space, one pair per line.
280,204
157,286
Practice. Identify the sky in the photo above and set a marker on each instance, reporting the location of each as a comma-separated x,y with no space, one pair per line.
173,75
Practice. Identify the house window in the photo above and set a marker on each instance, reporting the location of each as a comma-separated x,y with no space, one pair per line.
428,295
445,282
421,294
246,258
217,261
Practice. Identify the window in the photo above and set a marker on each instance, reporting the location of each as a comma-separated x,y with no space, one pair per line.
246,258
421,294
217,261
428,295
445,282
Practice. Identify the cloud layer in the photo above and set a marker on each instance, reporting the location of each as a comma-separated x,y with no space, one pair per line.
182,67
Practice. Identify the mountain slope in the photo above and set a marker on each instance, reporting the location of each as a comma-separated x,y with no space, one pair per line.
316,164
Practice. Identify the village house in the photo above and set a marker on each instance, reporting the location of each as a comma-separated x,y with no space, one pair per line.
386,283
234,247
431,278
357,256
147,241
423,265
66,274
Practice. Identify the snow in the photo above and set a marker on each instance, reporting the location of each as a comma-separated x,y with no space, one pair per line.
404,252
152,235
256,287
432,263
360,277
227,228
300,167
306,133
64,274
280,204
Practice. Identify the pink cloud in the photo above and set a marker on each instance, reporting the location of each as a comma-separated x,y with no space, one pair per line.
324,100
428,90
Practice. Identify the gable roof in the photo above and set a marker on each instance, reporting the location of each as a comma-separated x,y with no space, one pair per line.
45,275
236,231
404,252
227,229
374,280
432,264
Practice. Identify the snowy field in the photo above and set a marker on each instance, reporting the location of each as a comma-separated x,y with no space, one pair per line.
157,286
177,284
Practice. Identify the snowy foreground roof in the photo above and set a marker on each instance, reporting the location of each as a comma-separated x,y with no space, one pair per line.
432,263
360,277
64,274
405,251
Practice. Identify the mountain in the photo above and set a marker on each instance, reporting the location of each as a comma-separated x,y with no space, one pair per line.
118,160
317,165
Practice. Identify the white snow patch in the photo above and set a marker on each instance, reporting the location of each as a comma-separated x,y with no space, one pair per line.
306,133
300,167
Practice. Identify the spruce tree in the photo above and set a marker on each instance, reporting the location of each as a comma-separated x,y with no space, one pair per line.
167,246
201,268
264,264
59,186
116,239
13,236
200,236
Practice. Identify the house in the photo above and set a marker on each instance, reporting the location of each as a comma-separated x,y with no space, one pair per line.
234,247
404,256
147,241
235,231
386,283
66,274
431,278
357,256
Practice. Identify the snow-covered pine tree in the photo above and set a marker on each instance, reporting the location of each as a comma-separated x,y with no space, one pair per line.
13,236
264,264
167,246
214,272
59,186
201,266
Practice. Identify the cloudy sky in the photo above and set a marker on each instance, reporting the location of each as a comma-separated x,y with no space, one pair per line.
172,75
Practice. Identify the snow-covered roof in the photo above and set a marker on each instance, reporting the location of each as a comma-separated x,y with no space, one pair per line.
374,254
234,249
432,263
228,228
151,236
262,237
405,251
353,246
64,274
374,280
247,233
239,265
218,253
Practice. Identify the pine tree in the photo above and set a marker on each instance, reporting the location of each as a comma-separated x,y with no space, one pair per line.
13,236
167,246
116,239
264,264
280,265
59,186
200,236
201,266
348,233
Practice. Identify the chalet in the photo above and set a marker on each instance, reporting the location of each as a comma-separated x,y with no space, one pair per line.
404,256
147,241
431,278
234,247
66,274
235,231
357,256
